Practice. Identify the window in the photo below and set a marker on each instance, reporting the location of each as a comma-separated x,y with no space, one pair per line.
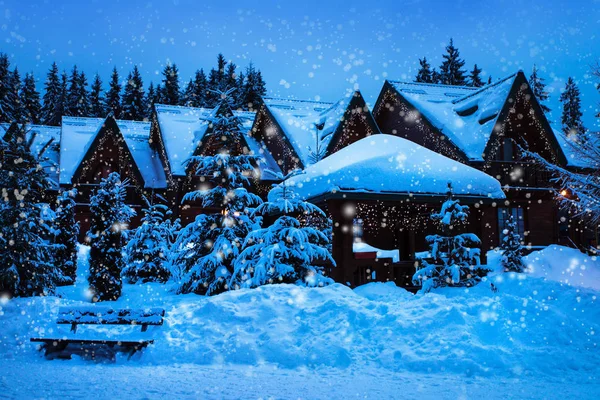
357,229
503,216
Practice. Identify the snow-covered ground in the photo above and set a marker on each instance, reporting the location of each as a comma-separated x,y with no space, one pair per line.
535,337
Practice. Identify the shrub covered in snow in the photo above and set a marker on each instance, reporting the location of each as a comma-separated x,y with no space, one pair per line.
512,250
65,237
456,261
26,254
212,243
148,248
110,215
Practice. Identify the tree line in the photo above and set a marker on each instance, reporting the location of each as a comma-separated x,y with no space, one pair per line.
67,94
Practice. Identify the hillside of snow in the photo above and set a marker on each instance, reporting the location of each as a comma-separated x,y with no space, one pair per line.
529,329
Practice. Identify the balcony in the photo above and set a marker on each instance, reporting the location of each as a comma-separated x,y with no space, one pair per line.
519,174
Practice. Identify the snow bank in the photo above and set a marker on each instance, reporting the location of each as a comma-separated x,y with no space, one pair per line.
565,265
529,326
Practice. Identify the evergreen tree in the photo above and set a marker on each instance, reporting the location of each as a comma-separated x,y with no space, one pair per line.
113,97
147,251
30,100
435,76
97,102
51,108
16,111
110,214
456,263
219,236
65,237
133,97
424,73
160,95
230,78
149,101
171,85
475,77
254,88
201,88
512,250
287,251
63,98
6,88
78,102
188,97
571,115
451,72
539,89
212,98
221,81
26,262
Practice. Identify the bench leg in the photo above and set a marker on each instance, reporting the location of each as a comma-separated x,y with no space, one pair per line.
56,350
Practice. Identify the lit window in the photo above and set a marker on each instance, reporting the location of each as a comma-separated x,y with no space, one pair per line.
503,217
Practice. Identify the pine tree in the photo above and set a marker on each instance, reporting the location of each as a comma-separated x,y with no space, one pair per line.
51,108
210,269
149,101
212,98
230,78
171,85
113,97
147,251
475,77
221,81
539,89
456,262
254,88
63,98
65,237
78,103
26,262
110,215
424,73
188,97
30,100
571,115
201,87
97,102
512,250
16,111
435,76
6,85
133,97
287,251
451,72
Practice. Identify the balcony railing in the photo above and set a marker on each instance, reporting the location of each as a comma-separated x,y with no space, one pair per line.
519,174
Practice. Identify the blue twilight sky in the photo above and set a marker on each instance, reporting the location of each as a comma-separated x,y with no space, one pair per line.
309,49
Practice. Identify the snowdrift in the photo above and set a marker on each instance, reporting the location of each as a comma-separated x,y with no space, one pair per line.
529,326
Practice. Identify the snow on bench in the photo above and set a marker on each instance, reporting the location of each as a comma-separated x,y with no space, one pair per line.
100,316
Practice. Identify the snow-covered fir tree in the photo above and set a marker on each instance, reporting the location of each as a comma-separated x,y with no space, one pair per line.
539,89
30,100
51,108
188,97
66,231
475,77
149,246
5,88
26,255
78,103
222,235
254,89
97,101
149,100
451,72
571,114
133,97
511,247
287,251
170,89
16,111
110,216
201,88
424,73
113,96
456,260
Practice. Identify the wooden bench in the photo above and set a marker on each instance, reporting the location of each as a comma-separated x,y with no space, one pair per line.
64,347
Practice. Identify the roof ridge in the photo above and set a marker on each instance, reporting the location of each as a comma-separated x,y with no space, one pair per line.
299,100
178,106
484,88
433,85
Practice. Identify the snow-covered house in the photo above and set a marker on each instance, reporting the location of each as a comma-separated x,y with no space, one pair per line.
486,128
299,133
380,192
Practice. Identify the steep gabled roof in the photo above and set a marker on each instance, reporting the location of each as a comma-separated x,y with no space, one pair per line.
81,135
432,92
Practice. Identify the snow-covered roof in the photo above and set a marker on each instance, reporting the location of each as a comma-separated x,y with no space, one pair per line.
183,128
297,118
79,133
467,116
389,164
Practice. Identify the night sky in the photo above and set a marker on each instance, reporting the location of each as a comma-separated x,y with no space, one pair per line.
309,49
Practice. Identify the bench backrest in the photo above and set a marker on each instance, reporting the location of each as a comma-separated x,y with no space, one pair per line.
108,316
